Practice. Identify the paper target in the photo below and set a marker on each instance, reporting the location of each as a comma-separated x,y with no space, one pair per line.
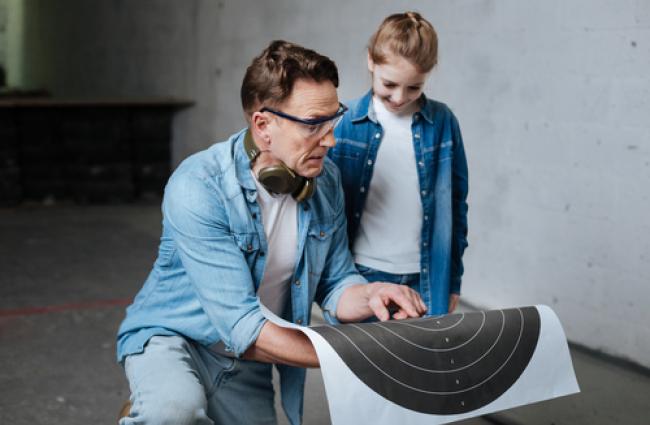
440,365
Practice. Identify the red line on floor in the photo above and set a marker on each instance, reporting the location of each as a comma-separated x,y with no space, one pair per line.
85,305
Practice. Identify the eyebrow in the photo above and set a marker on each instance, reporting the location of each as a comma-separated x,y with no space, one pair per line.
317,116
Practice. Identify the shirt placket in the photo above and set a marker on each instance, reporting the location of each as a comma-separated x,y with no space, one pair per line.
417,129
368,167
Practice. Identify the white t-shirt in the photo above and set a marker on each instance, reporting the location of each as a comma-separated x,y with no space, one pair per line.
280,221
389,232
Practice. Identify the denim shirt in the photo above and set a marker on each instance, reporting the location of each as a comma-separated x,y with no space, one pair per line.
442,175
211,261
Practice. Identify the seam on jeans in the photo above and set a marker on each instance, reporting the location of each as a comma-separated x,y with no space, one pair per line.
220,377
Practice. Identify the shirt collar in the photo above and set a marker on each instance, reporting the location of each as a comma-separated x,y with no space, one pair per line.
426,109
242,162
360,111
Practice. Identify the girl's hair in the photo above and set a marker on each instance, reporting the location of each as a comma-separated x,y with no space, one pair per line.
408,35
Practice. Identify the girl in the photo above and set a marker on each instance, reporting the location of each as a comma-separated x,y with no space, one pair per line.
404,170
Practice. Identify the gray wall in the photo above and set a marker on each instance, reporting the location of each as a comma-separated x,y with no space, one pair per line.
122,48
553,99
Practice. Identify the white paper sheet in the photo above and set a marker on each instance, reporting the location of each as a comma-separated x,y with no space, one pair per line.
441,369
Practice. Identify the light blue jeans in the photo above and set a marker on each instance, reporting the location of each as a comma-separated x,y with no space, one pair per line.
176,381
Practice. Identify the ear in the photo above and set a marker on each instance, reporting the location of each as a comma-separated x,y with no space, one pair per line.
260,130
371,63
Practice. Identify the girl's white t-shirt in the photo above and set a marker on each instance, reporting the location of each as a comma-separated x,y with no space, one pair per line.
389,233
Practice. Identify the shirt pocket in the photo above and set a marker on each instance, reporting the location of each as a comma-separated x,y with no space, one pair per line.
348,149
444,151
249,245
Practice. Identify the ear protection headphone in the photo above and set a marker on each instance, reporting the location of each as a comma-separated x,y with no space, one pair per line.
280,178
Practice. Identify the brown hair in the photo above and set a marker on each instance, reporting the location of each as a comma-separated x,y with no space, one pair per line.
408,35
272,74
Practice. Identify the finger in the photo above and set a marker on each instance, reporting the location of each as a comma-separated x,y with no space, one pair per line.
400,315
404,303
379,308
424,306
419,304
453,302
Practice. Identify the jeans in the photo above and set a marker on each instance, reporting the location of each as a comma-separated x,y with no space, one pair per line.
176,381
373,275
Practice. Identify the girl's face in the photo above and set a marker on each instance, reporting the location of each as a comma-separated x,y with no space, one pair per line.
397,83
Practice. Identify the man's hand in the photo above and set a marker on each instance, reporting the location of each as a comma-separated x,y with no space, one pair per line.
360,302
453,302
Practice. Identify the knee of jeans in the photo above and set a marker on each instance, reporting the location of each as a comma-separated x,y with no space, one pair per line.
180,411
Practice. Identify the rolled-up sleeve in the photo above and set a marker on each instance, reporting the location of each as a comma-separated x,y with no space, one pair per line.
195,213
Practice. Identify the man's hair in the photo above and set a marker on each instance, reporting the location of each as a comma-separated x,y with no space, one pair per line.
270,77
408,35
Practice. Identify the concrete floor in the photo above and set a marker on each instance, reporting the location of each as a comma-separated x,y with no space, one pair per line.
66,273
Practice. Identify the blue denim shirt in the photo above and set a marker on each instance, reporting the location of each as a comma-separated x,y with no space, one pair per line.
212,254
442,174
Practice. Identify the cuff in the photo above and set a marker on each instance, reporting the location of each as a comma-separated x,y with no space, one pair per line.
332,300
245,332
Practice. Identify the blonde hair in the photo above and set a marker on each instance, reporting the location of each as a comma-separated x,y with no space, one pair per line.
408,35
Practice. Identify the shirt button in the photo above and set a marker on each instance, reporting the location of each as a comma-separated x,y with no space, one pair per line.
425,243
370,162
357,215
297,282
416,117
421,163
377,136
426,217
299,321
424,192
424,270
417,135
249,247
322,234
363,189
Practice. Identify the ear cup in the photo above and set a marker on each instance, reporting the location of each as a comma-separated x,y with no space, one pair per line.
306,191
280,178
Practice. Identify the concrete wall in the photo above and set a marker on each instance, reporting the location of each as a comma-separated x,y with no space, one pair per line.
121,48
553,99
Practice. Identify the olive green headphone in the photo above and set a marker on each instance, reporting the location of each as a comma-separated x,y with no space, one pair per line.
280,178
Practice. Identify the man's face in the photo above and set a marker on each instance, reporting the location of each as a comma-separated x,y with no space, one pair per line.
291,142
397,83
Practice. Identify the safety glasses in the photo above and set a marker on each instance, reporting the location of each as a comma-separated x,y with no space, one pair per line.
312,127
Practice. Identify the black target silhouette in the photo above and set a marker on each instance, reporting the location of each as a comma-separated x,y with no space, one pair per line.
440,365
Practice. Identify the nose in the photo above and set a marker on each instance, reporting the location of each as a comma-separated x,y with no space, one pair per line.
328,140
399,96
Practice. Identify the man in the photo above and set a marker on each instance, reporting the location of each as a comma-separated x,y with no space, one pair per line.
260,215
